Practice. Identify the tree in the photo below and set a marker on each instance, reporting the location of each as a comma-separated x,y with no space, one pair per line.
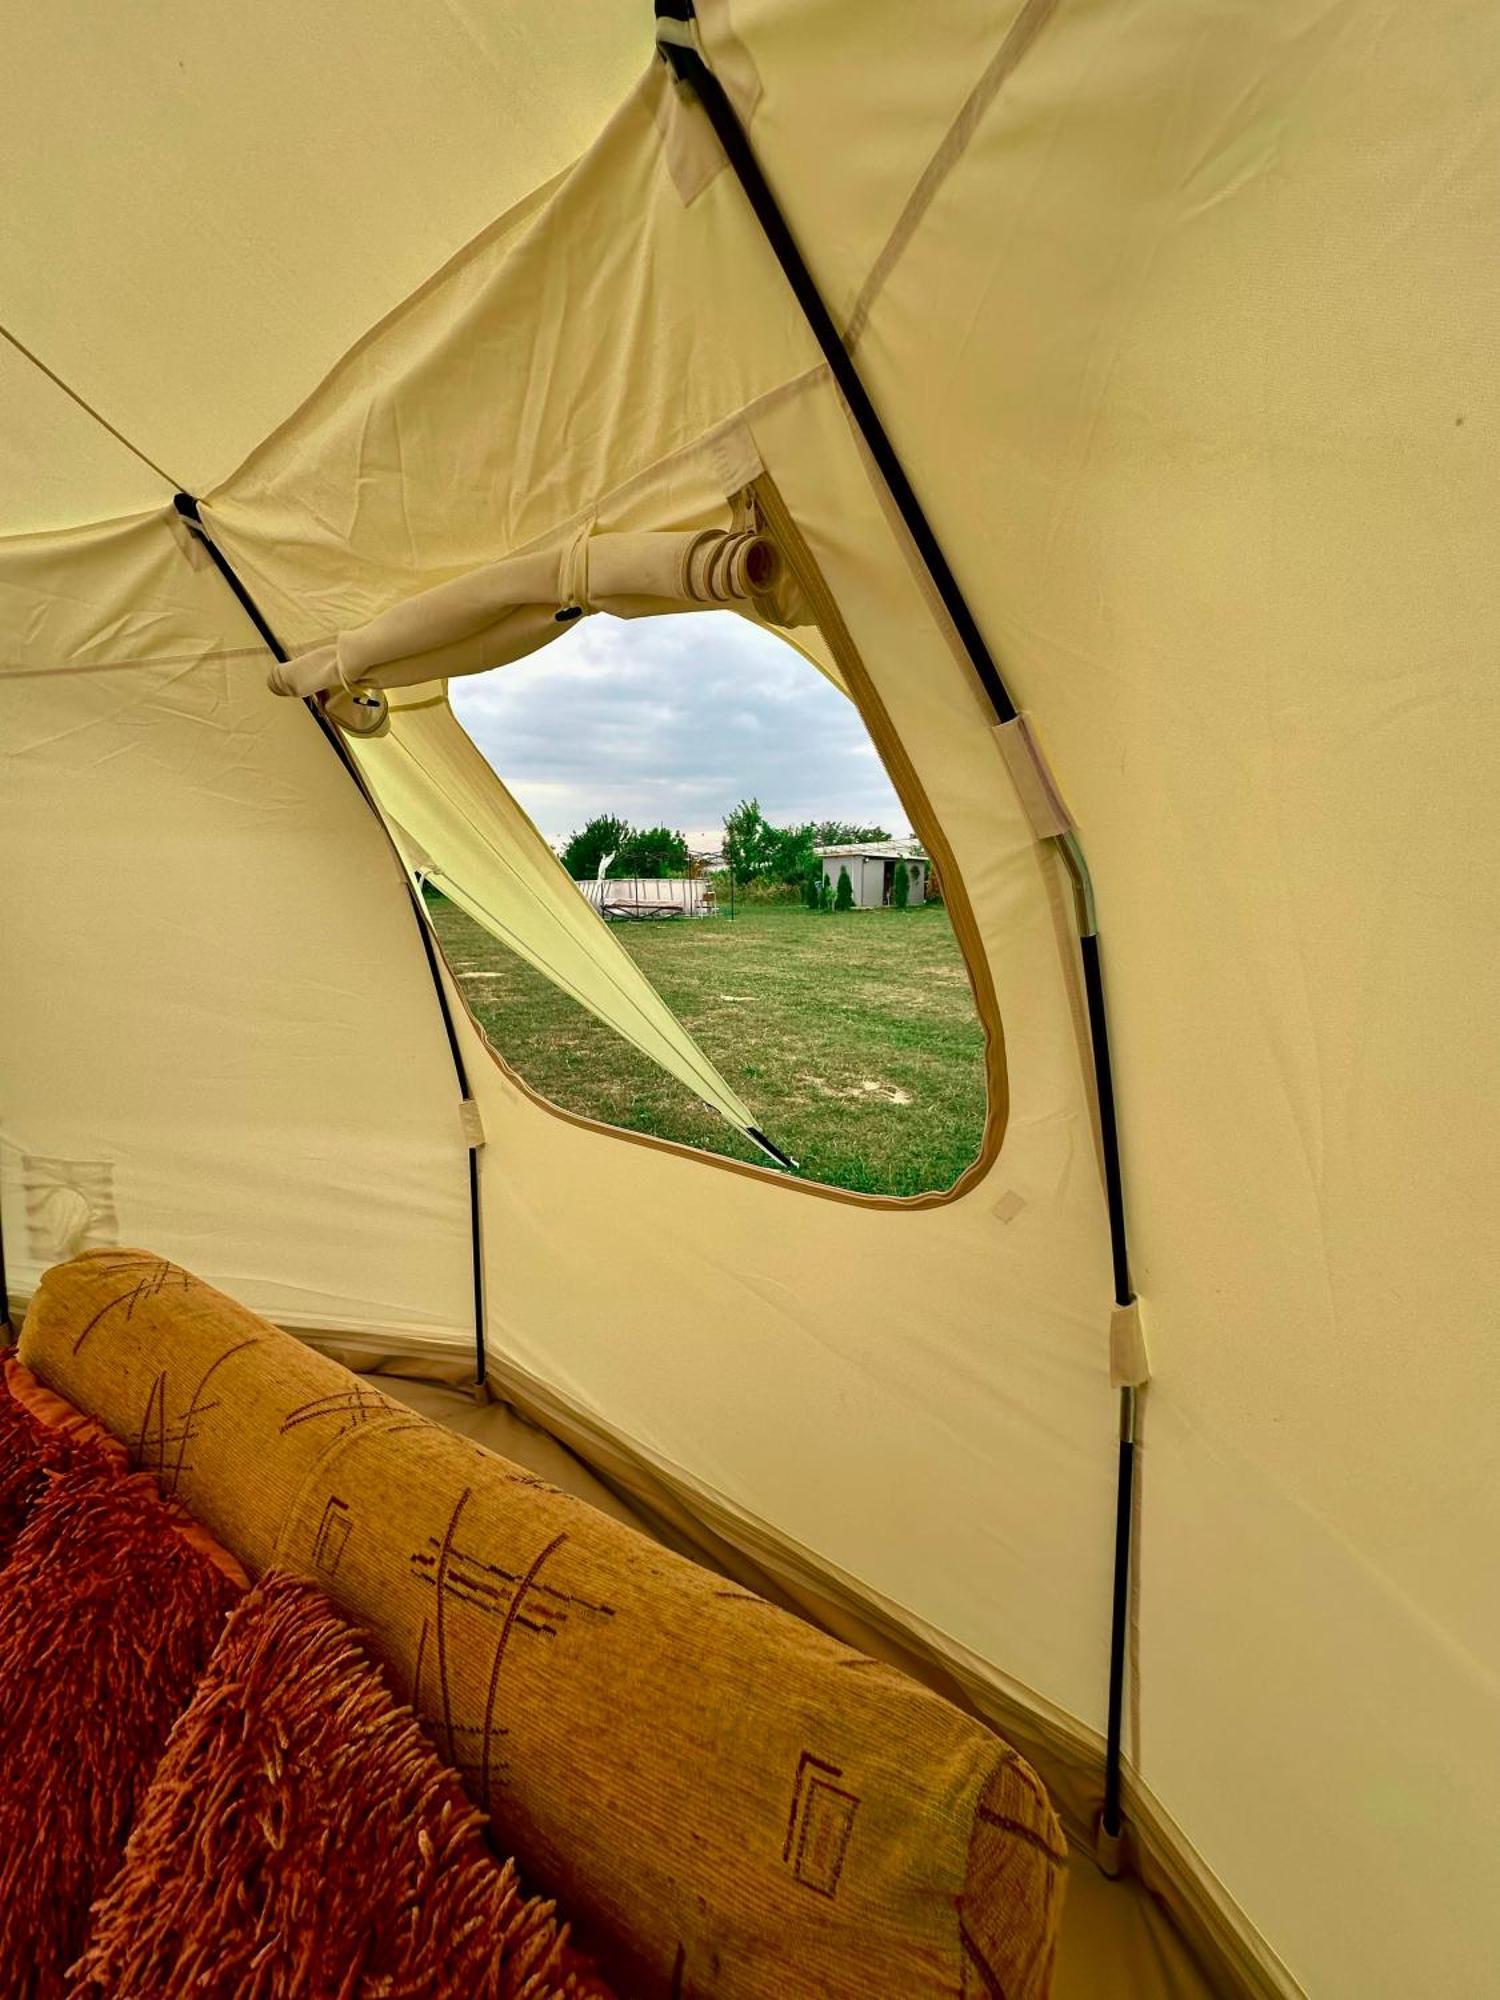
749,842
812,886
825,895
900,887
843,896
839,833
651,852
604,834
790,853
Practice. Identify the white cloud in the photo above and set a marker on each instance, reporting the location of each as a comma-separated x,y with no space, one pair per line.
673,721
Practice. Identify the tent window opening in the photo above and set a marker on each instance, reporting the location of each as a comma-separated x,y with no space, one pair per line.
671,875
722,817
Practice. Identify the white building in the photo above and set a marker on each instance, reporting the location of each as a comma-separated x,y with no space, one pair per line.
872,869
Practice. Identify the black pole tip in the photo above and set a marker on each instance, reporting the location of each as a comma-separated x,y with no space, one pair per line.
770,1147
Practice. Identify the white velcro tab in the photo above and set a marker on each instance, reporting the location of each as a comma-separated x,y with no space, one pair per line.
70,1206
1129,1364
1034,782
469,1120
692,154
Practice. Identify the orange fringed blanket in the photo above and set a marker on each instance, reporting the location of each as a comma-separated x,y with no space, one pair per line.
34,1445
109,1608
302,1841
296,1839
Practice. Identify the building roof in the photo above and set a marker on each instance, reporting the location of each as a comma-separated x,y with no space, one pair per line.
874,850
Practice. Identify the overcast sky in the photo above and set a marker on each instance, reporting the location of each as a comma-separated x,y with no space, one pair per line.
670,722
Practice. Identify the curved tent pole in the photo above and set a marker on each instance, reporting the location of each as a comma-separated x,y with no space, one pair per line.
1111,1820
187,508
676,17
5,1324
677,43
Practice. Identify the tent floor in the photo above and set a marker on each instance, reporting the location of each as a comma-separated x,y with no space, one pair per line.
1116,1940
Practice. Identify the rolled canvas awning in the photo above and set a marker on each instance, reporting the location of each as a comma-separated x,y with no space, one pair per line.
510,608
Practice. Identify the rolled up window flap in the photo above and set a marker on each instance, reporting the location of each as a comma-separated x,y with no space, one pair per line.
711,567
510,608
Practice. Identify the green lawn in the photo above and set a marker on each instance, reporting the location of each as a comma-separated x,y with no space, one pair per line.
853,1038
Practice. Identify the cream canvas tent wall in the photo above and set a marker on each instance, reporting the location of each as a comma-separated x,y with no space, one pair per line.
1181,323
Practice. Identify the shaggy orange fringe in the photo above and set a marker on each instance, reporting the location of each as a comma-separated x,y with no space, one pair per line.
60,1435
302,1841
31,1449
56,1414
107,1619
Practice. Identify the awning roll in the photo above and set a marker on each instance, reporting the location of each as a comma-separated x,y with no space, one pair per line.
512,607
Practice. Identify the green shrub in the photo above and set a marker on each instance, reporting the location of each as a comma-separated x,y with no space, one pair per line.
900,887
766,894
844,895
759,894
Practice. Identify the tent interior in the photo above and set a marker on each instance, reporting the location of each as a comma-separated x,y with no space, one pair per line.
410,323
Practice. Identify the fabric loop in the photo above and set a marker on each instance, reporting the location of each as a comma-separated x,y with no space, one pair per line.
573,573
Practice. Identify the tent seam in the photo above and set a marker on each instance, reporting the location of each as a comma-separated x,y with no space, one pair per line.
88,409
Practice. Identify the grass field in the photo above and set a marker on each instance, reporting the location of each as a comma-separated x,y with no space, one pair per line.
853,1038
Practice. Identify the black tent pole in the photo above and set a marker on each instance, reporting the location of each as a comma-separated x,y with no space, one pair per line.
677,44
688,66
4,1287
187,507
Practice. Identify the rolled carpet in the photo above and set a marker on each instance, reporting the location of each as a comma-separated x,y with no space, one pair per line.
109,1609
302,1841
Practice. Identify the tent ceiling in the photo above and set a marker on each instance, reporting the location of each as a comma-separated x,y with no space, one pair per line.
57,465
241,193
